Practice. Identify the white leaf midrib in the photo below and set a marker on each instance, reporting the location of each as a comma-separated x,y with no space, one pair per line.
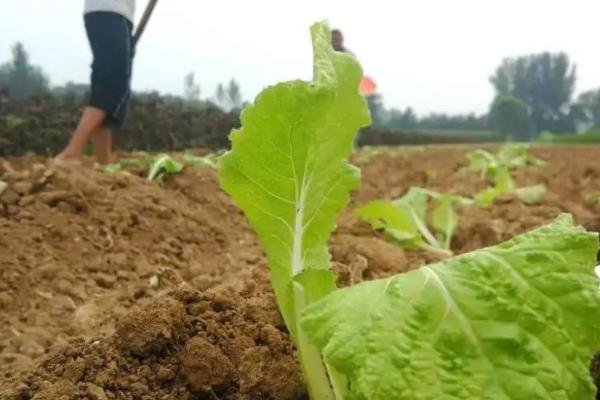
297,259
463,320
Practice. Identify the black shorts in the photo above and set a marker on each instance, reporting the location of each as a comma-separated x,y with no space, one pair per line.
110,37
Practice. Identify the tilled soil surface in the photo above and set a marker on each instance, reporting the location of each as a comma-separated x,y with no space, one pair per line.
112,287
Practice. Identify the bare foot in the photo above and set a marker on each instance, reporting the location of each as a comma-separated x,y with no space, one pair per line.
66,161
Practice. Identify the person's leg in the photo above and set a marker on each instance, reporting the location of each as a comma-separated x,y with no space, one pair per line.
103,137
109,35
91,120
102,140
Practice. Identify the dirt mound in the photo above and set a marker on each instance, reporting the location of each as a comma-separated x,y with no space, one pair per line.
112,287
79,248
181,345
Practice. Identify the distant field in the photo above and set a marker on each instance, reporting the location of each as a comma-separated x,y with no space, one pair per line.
574,138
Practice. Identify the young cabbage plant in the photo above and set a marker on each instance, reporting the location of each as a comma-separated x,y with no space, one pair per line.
163,164
405,220
122,164
504,184
517,155
206,161
516,321
482,161
288,171
510,156
512,322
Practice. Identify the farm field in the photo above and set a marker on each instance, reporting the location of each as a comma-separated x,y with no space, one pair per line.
114,287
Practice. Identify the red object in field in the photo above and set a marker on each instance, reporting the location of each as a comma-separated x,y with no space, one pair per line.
367,86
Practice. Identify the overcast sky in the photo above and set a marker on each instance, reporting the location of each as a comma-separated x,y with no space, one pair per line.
434,55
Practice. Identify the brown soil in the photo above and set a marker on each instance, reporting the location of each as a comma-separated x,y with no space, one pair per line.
112,287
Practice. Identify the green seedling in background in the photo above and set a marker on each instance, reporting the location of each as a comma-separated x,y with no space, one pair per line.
122,164
196,161
163,164
404,221
503,185
510,156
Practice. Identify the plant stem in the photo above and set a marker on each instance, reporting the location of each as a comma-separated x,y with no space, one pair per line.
436,250
423,230
313,368
448,242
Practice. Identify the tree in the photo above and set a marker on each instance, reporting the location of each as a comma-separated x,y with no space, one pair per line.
230,98
510,116
191,90
70,92
234,94
588,105
441,121
543,81
220,95
406,119
20,78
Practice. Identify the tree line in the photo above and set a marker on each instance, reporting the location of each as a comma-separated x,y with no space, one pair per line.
533,94
20,80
